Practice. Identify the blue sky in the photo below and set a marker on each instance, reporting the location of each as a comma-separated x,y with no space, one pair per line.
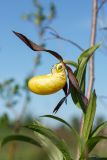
16,59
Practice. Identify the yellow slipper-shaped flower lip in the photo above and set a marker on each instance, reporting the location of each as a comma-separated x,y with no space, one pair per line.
49,83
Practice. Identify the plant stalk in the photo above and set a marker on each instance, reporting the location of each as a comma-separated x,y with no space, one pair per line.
91,62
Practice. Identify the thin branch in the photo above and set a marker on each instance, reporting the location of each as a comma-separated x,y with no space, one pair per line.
57,36
93,38
67,40
101,5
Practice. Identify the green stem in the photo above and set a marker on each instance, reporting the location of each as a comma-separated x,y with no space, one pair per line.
91,63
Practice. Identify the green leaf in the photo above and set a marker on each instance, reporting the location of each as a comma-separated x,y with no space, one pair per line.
72,63
89,117
64,122
88,53
91,143
78,97
51,150
89,146
82,62
69,126
80,74
58,119
98,129
75,97
60,144
21,138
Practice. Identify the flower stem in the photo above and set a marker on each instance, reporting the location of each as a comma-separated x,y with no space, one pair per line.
91,63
